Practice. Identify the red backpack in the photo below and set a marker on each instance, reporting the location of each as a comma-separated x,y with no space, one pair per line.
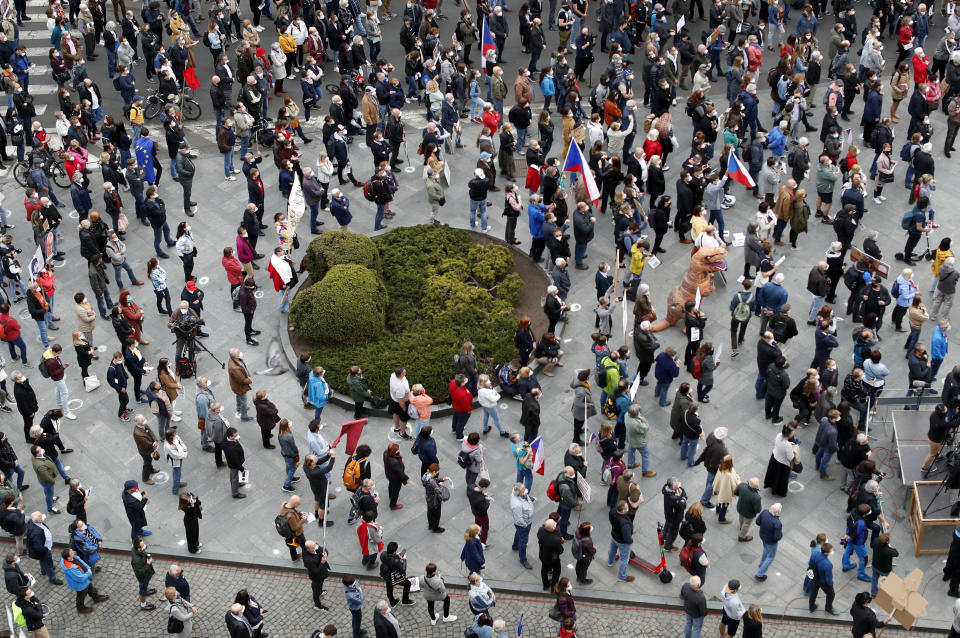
697,370
686,557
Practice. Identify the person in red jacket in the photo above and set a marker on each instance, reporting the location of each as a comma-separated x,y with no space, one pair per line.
370,536
234,273
462,401
11,334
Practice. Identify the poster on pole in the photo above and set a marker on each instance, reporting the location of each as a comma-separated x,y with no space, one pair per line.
584,487
36,263
697,299
296,204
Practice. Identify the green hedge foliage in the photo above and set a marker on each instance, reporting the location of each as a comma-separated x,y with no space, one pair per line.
347,306
339,247
439,290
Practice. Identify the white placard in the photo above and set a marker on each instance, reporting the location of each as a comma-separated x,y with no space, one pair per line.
780,261
680,23
696,299
716,355
584,487
654,262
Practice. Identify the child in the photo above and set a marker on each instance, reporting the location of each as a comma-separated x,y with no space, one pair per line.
568,628
604,312
599,347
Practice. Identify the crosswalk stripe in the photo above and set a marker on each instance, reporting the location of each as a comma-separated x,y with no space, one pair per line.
35,34
43,89
38,51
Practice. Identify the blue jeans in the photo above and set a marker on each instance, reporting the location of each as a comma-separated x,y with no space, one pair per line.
692,627
520,537
688,450
579,250
18,343
14,284
660,391
480,206
60,469
16,469
314,212
285,298
418,425
291,466
624,550
769,553
46,567
104,303
164,231
525,476
176,478
758,386
521,137
219,114
244,144
876,580
173,169
378,219
124,266
708,490
476,107
716,218
823,461
42,325
48,494
815,307
63,395
111,64
644,456
861,551
912,339
317,411
491,413
228,163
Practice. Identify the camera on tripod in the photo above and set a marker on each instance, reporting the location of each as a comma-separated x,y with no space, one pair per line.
185,327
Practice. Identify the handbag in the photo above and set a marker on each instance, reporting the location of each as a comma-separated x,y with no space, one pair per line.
122,222
91,383
244,477
554,612
296,242
156,455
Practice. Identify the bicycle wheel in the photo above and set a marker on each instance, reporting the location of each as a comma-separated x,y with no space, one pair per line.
190,109
152,109
20,172
332,89
59,175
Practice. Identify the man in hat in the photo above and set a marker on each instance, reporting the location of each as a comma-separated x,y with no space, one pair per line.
185,171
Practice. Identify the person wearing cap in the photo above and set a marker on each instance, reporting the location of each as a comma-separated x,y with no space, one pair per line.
340,209
185,171
134,504
478,188
733,609
771,531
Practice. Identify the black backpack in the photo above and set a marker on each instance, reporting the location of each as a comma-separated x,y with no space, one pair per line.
463,459
851,277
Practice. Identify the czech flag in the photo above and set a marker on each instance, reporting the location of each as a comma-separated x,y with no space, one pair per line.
486,40
738,172
537,447
576,164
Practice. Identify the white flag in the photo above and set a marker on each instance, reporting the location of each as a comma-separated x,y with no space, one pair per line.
296,204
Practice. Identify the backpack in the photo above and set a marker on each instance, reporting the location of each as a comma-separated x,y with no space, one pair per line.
895,290
412,411
697,369
606,474
833,96
352,474
906,222
44,370
368,191
686,530
3,330
778,326
31,183
686,557
906,153
576,548
609,408
18,618
851,278
283,526
463,459
552,492
741,312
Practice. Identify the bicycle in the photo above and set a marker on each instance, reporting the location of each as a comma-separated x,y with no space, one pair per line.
189,108
52,165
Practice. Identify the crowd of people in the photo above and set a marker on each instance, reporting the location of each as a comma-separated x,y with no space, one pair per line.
744,49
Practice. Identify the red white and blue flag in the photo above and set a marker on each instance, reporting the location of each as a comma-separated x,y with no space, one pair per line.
538,453
576,164
486,41
738,172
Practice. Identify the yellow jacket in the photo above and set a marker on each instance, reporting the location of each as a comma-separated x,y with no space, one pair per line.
637,259
287,43
136,115
939,256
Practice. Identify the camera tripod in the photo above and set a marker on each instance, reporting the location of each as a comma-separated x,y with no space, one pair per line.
954,509
187,348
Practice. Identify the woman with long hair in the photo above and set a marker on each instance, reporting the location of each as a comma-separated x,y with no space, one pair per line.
158,277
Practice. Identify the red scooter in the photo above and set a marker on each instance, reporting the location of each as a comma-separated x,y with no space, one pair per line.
660,569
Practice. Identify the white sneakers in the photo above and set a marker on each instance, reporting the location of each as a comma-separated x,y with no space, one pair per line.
71,416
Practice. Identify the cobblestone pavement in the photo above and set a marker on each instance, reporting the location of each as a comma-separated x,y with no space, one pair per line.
105,454
291,615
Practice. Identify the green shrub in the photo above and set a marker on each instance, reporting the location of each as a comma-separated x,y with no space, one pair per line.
339,247
346,306
439,290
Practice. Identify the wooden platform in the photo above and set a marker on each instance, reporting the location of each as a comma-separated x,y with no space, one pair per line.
925,514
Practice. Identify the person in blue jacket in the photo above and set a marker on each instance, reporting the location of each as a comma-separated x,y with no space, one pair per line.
777,141
86,541
80,196
938,351
667,369
771,531
872,111
354,596
79,578
771,297
535,215
318,391
857,541
750,109
822,578
472,553
144,150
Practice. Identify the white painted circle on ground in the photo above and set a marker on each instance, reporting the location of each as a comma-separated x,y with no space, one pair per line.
503,406
73,215
568,340
276,552
569,566
160,478
361,145
337,489
409,169
182,542
203,281
74,404
66,468
575,307
258,294
795,486
101,348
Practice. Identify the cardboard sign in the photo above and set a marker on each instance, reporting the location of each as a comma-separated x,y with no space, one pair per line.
873,265
899,597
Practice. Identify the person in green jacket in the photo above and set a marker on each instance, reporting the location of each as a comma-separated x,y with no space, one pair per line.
142,563
609,363
801,214
46,471
637,427
434,194
827,175
359,390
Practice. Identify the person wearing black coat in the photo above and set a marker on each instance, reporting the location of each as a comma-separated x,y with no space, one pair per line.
583,226
13,521
233,454
674,506
393,569
32,610
550,545
685,202
396,475
778,385
660,221
134,504
316,471
13,576
315,562
656,182
27,404
865,621
530,415
553,308
8,462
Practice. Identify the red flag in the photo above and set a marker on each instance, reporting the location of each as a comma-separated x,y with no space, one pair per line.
353,430
533,178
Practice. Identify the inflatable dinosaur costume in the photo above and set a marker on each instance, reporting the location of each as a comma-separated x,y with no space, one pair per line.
703,264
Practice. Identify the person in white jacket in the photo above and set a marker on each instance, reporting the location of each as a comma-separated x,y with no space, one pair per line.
176,451
488,398
733,609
